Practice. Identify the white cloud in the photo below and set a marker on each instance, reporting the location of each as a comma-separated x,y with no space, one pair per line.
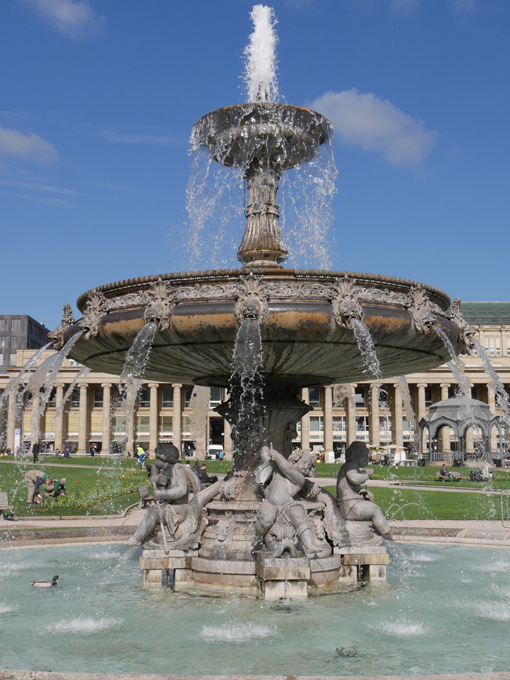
463,6
32,147
134,138
375,124
71,18
45,188
403,6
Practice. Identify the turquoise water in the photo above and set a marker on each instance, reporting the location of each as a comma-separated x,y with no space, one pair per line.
444,609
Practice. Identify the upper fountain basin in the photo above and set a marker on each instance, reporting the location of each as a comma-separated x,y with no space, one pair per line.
267,135
303,315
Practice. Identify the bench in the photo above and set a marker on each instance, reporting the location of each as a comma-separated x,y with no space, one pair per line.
441,478
4,503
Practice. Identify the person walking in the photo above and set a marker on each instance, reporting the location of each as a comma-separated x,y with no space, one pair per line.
35,452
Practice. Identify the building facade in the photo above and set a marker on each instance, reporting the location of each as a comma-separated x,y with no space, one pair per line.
85,407
17,332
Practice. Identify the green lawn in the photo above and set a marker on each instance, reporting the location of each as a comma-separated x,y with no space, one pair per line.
92,490
407,504
95,489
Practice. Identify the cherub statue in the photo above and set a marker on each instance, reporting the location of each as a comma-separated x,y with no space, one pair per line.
353,503
174,511
282,519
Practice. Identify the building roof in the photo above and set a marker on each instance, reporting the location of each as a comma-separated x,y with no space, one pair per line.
487,313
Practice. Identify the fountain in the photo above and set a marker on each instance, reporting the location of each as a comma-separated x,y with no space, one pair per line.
264,332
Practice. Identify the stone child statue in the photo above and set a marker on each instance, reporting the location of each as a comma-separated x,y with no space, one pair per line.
282,518
182,517
352,502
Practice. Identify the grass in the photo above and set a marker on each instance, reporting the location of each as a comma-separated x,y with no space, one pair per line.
407,504
94,490
108,485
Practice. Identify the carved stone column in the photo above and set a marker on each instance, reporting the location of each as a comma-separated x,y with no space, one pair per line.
82,419
262,243
396,421
107,417
351,415
374,427
177,416
153,417
59,417
305,420
328,418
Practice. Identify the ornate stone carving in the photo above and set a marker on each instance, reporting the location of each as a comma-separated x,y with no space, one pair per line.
160,304
385,297
176,521
355,504
345,302
282,519
97,307
252,300
221,291
421,308
232,487
466,330
57,336
298,289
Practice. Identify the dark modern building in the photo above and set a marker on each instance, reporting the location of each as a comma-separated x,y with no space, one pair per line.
19,331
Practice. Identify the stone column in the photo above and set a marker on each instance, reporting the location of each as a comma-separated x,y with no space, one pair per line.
396,422
305,421
328,418
153,417
11,422
422,412
177,416
491,400
227,439
470,444
82,419
375,438
107,417
351,415
59,417
444,434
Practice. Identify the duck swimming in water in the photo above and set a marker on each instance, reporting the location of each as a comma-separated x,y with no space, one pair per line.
46,584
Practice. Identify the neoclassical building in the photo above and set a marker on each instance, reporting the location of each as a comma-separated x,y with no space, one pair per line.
83,406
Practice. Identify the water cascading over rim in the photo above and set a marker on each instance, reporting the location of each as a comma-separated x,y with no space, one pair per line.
262,140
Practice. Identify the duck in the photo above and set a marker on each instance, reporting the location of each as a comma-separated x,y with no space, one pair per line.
46,584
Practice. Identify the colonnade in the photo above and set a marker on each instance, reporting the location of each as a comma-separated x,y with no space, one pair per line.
92,422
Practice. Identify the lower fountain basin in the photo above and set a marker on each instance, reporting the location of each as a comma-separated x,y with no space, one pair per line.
105,622
305,339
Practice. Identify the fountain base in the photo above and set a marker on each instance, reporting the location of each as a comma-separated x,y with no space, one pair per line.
262,576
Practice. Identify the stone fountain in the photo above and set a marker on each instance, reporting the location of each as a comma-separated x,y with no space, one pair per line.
299,326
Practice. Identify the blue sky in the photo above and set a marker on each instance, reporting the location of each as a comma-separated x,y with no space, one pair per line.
98,99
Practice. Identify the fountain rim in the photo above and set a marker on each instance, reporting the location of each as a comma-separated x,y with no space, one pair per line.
268,106
212,276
